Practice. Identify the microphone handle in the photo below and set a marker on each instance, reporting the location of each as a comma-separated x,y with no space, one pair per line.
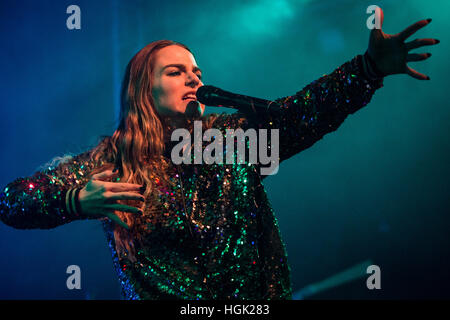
213,96
253,105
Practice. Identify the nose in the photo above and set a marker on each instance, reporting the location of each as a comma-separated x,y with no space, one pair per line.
193,80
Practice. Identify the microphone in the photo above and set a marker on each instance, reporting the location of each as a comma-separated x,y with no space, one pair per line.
212,96
193,109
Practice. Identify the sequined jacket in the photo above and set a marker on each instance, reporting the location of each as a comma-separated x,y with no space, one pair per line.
216,236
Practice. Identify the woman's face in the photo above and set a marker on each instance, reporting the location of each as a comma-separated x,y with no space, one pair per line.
176,78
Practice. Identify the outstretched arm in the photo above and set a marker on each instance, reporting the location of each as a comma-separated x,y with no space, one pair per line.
323,105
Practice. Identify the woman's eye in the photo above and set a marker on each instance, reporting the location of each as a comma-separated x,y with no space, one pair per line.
177,73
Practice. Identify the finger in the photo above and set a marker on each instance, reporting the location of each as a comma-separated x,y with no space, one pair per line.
405,34
123,208
104,175
379,18
413,73
117,220
417,56
417,43
379,15
124,196
122,186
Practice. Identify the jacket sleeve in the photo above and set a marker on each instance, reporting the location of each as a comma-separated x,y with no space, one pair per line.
319,108
39,201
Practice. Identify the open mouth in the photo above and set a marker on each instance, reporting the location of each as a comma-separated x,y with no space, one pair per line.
190,98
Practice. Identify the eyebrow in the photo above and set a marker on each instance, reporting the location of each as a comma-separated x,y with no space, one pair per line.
181,66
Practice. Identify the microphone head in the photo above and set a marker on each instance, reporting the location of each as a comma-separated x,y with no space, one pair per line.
208,95
193,109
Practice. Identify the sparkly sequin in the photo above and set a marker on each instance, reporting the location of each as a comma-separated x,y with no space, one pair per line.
216,236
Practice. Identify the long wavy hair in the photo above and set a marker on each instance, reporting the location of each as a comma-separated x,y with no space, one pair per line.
137,146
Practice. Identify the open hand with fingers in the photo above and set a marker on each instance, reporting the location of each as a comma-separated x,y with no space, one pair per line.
390,53
99,197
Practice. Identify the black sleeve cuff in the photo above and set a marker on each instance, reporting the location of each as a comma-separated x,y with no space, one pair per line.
370,68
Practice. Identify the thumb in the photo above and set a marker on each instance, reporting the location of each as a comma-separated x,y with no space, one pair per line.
375,21
379,16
